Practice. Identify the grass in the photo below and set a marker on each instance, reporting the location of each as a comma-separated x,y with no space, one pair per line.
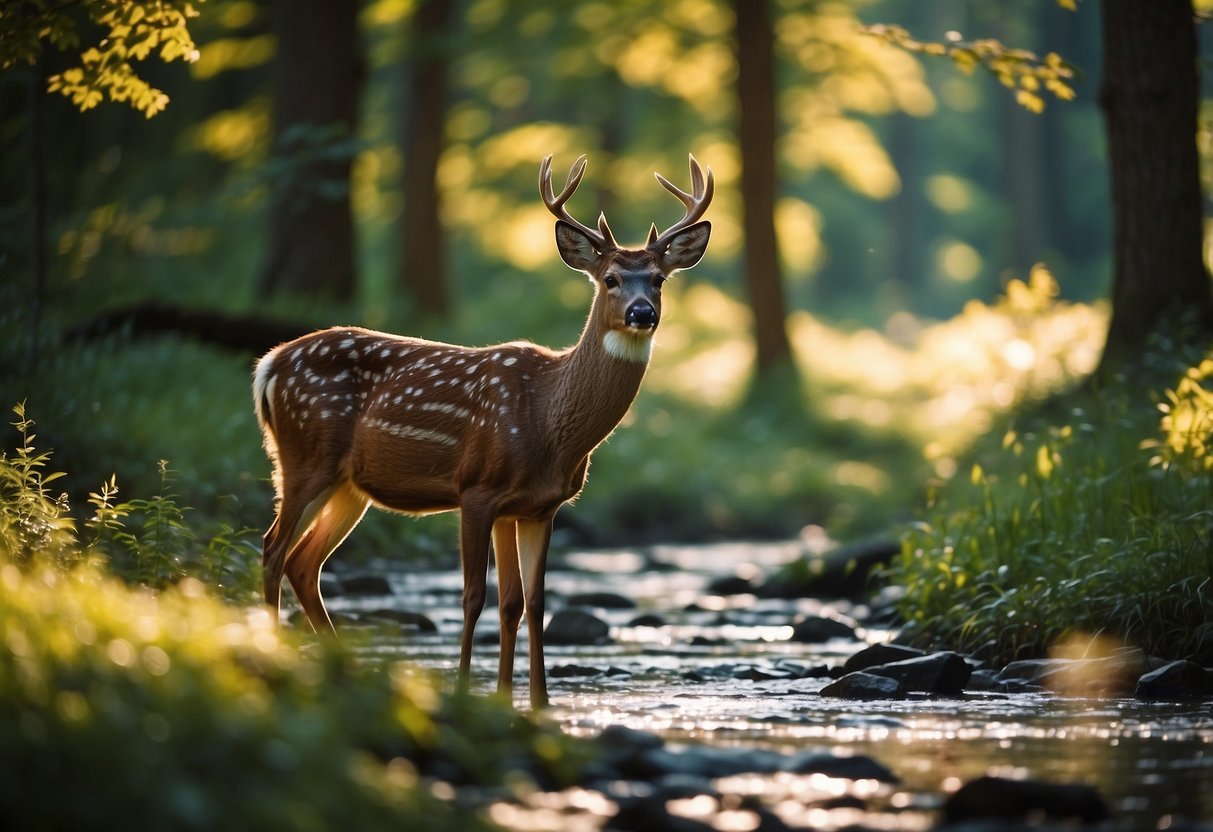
1091,525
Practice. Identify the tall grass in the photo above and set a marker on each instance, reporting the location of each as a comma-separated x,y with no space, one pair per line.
1097,522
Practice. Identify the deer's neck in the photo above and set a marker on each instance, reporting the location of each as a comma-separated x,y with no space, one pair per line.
597,382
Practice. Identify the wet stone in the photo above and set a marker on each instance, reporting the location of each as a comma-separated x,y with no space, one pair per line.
1028,670
410,620
880,654
731,585
573,671
940,674
796,670
864,685
846,767
647,620
1177,680
1006,799
365,585
758,674
576,627
601,600
816,629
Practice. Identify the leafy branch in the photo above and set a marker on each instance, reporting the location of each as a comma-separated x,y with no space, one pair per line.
130,30
1022,70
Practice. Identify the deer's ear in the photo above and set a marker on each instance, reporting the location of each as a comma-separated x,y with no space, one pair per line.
576,249
686,247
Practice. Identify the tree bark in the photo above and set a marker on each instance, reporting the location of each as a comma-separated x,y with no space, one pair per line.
423,241
317,82
1149,92
756,90
38,213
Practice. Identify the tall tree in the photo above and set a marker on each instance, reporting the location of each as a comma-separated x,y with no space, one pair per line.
423,249
756,90
1149,93
317,83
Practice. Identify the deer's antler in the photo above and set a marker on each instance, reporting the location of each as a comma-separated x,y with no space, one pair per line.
602,237
696,204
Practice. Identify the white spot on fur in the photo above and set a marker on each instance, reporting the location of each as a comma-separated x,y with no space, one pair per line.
449,409
510,362
412,432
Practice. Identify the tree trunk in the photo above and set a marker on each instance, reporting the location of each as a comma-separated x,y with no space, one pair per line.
317,82
423,255
38,212
1149,94
756,91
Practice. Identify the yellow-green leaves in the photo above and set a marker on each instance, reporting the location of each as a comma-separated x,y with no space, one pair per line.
1029,74
129,31
1186,424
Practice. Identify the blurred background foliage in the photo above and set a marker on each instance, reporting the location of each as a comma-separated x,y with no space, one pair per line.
942,249
915,205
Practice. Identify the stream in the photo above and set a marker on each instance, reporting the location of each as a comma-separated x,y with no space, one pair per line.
704,669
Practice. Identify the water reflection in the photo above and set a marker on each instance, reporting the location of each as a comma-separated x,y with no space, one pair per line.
716,672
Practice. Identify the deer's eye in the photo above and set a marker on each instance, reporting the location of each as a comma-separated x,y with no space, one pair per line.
658,280
610,281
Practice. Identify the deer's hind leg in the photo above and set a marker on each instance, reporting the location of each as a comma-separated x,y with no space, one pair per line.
305,491
342,511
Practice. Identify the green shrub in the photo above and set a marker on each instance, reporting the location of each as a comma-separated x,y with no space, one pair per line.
1094,524
170,711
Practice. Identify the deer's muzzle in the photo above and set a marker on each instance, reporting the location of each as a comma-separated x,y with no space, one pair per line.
641,315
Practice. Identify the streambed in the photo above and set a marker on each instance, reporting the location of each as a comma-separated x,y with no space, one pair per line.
701,669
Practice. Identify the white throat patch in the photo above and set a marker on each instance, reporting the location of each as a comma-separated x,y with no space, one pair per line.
628,347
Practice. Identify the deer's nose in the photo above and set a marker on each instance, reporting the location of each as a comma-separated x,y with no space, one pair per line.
641,315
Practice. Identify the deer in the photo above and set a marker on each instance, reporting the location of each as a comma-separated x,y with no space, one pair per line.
502,434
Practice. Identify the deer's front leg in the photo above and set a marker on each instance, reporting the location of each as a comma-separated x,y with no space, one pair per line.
475,530
510,598
533,539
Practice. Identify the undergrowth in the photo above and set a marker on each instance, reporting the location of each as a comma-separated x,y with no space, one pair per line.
164,708
145,541
1095,523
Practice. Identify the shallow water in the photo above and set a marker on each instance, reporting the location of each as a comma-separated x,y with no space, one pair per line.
1152,762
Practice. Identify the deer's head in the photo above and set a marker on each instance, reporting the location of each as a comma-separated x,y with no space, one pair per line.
627,300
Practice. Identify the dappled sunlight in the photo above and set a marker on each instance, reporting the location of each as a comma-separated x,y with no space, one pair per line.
682,52
523,237
798,227
232,54
238,136
857,74
936,384
705,354
847,147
